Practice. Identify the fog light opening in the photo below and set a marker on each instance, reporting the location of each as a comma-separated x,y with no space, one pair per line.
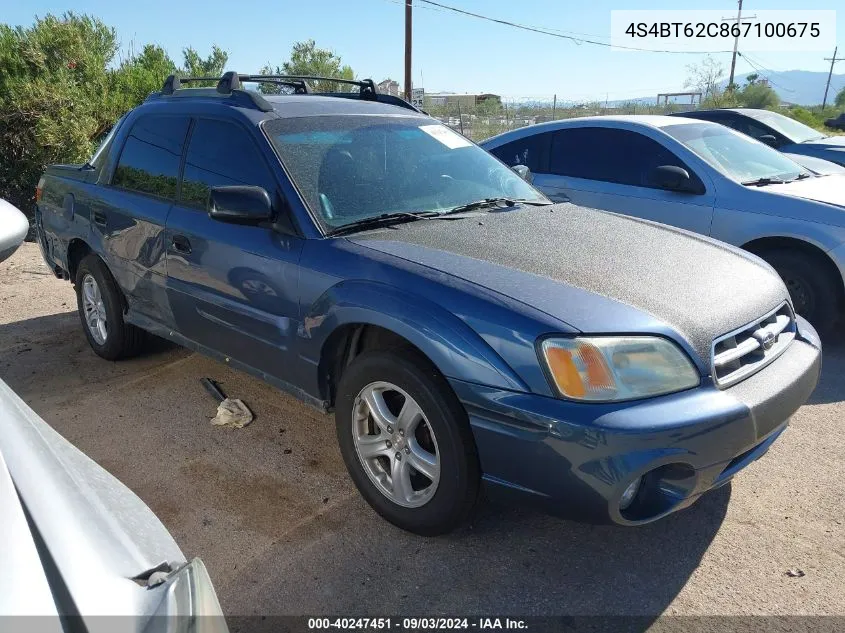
630,494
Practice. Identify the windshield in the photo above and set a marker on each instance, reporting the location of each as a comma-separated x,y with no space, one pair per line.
734,154
794,130
350,168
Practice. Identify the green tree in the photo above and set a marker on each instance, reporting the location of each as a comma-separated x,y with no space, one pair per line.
840,98
309,60
211,66
60,91
53,76
758,94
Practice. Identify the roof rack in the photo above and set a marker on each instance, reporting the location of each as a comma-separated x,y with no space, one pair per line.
230,83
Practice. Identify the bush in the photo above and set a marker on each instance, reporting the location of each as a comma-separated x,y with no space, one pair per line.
59,93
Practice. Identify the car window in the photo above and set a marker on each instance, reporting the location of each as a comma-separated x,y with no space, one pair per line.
149,162
222,153
611,155
100,154
794,131
749,127
734,154
531,151
350,168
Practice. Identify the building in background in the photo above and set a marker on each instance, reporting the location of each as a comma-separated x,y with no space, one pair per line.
467,101
389,87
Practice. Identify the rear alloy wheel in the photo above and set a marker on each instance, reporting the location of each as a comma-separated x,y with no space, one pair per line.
100,306
406,441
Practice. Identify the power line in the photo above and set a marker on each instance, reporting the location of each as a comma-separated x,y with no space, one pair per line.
762,69
561,35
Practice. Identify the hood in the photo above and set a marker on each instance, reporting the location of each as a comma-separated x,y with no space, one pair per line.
700,288
817,165
828,189
98,533
830,141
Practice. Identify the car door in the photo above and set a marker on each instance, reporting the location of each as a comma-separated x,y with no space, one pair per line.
129,216
232,288
611,169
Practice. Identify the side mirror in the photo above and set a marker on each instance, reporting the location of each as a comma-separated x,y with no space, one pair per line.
523,172
672,178
240,204
768,139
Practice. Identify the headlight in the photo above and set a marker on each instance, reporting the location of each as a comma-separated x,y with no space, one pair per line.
607,368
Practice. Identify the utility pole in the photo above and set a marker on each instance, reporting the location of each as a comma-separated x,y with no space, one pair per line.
738,20
833,60
408,31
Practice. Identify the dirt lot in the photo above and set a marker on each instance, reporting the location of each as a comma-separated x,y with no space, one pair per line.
271,512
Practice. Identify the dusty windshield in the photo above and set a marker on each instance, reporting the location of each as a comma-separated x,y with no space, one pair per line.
349,168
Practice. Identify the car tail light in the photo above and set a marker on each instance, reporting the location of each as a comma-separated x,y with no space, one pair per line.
38,189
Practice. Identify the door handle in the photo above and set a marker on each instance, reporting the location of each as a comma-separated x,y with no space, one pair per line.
181,244
99,218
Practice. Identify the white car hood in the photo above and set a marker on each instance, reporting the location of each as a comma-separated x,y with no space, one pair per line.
827,189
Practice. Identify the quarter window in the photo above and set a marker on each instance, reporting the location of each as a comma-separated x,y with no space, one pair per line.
149,162
610,155
220,154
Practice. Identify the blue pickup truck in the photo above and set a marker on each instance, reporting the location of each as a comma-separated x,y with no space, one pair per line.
465,331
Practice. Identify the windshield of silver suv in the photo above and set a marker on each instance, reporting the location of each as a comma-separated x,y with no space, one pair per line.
735,155
351,168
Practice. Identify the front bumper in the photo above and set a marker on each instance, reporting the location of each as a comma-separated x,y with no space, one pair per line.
576,459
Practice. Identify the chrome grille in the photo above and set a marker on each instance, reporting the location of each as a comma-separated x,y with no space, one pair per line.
740,353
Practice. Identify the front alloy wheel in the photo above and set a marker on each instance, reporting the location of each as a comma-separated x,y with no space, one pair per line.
406,441
395,444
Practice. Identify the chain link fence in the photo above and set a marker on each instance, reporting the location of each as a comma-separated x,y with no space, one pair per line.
483,120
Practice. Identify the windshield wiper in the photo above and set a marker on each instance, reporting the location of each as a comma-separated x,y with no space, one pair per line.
385,219
494,202
762,182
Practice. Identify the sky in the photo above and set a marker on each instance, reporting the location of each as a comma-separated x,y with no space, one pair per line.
451,52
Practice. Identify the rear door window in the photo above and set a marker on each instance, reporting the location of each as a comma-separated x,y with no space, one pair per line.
531,151
610,155
149,161
222,153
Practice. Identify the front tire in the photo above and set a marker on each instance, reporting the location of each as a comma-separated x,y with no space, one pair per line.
100,306
406,441
815,294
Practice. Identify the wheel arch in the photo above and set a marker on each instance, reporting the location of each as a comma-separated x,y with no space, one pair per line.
761,245
357,316
77,250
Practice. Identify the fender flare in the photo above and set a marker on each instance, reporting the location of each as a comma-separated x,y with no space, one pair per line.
454,348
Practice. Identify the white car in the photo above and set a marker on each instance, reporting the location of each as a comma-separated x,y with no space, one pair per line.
75,543
13,229
703,177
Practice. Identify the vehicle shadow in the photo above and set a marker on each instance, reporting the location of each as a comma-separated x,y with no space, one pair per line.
508,561
48,355
830,388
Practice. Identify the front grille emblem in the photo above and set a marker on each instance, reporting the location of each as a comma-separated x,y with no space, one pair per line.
766,338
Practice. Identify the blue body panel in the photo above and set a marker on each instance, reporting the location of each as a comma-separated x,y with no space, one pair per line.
270,299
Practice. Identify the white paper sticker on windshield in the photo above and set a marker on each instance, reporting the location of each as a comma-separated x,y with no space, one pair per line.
449,138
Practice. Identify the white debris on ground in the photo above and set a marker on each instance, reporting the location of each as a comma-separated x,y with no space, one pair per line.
232,412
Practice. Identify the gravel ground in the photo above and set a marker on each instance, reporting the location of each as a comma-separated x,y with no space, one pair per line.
271,512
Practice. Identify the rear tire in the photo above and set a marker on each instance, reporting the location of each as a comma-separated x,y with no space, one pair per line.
440,495
100,306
